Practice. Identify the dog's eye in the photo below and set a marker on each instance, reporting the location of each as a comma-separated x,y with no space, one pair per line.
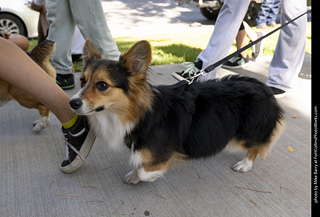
102,86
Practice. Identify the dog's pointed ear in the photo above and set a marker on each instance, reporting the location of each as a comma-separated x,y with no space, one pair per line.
90,52
138,58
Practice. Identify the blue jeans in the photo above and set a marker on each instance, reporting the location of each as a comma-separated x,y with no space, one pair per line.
268,12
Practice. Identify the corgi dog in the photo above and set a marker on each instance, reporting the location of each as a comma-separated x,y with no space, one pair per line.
162,123
41,54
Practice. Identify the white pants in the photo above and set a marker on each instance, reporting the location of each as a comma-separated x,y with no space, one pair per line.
289,54
88,15
225,31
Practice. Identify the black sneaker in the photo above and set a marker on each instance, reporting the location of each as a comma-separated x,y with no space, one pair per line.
192,69
66,82
257,49
236,62
76,57
278,93
79,140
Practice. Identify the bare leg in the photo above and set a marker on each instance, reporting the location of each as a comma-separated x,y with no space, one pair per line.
250,33
19,70
242,41
43,24
242,37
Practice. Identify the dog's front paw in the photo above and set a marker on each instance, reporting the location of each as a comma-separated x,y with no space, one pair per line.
40,124
243,166
132,177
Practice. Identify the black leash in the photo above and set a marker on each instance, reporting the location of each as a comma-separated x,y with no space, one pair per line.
203,72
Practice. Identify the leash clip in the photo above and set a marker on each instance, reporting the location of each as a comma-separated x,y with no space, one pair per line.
202,72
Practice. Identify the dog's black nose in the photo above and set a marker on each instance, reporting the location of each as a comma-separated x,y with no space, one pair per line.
75,103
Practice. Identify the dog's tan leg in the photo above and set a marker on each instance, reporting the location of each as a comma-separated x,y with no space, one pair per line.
246,164
149,173
43,121
145,168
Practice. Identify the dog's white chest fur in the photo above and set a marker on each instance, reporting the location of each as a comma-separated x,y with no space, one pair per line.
109,128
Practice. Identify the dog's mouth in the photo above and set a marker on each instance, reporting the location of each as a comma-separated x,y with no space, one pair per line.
100,108
87,113
80,107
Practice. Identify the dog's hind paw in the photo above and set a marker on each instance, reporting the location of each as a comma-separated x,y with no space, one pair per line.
243,166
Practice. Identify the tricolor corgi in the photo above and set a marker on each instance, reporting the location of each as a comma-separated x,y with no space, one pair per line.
161,123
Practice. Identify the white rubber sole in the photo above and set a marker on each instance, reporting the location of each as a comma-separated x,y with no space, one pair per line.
84,151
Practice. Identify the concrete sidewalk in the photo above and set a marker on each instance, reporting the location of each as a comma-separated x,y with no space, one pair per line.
31,183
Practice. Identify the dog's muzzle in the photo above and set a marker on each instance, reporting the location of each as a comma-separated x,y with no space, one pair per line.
75,103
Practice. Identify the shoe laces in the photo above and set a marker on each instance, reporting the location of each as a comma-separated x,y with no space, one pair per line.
68,145
191,70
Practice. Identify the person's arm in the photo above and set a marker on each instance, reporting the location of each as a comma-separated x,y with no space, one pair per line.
20,71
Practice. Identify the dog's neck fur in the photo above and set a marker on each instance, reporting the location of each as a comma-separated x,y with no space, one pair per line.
109,128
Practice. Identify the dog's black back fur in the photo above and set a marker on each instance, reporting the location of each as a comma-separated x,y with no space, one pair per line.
199,120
